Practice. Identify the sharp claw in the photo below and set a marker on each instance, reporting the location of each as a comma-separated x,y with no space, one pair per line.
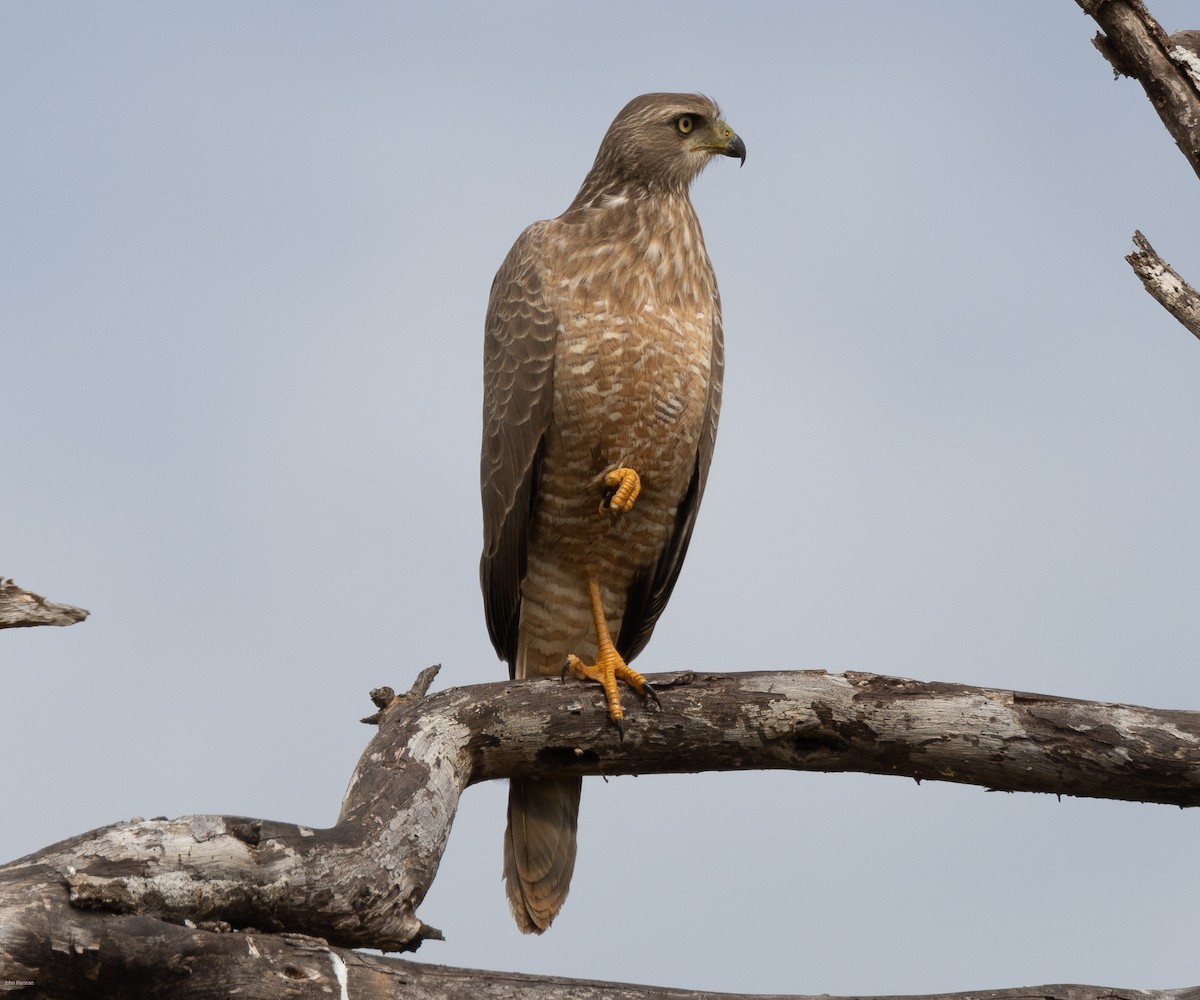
620,729
653,694
566,666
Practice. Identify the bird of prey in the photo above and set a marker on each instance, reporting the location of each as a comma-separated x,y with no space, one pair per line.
603,360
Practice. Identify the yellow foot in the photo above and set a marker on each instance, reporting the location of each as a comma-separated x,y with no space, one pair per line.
606,671
624,485
610,666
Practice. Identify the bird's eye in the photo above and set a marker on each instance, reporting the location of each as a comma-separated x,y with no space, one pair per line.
684,123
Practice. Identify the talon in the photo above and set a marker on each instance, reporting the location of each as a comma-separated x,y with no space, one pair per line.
624,485
649,689
609,667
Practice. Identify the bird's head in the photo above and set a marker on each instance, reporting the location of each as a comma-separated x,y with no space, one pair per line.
661,141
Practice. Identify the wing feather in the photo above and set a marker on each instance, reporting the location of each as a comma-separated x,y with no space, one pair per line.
518,396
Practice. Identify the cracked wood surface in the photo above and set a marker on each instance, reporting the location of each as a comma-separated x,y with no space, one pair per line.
360,882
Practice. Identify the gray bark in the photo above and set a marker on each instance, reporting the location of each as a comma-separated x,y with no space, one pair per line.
197,904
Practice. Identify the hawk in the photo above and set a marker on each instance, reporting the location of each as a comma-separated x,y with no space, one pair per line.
603,359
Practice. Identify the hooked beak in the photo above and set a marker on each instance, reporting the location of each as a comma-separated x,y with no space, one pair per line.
735,147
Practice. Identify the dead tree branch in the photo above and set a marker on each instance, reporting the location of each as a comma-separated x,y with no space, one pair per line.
1136,46
359,883
22,608
1168,68
1165,284
135,957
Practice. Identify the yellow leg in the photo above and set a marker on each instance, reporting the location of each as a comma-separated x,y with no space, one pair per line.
624,485
609,666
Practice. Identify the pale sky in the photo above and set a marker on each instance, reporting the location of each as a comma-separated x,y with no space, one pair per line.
246,256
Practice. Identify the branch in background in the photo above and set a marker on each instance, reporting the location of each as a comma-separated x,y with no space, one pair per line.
189,962
192,964
21,609
1161,280
1136,46
1169,71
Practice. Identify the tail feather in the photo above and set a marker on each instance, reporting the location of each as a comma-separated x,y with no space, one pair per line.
539,848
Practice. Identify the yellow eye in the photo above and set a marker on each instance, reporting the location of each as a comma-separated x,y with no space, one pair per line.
684,124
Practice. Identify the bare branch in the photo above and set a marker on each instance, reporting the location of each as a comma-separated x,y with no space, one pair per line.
130,890
133,957
1169,71
22,609
1164,283
1136,46
359,883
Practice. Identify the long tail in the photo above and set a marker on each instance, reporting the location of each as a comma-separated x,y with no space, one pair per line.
539,848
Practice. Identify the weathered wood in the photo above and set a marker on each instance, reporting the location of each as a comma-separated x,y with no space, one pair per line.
1164,283
1136,46
24,609
1185,50
122,957
131,886
1168,68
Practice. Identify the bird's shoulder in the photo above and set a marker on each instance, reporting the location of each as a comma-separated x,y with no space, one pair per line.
517,303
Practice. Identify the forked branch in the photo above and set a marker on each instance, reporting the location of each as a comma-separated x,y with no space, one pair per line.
360,882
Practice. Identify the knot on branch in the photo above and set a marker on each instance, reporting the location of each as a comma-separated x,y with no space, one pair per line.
385,698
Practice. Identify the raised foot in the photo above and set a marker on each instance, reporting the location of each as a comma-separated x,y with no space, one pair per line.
623,486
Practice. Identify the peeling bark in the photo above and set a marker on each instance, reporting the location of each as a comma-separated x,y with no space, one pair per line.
155,901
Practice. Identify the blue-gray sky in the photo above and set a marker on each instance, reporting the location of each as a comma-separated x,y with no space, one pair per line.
246,250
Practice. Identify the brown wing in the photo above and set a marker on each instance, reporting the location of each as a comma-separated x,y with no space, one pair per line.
518,393
650,591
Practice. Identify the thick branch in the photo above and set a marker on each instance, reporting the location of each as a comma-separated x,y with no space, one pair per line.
1164,283
120,905
135,957
359,883
22,608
